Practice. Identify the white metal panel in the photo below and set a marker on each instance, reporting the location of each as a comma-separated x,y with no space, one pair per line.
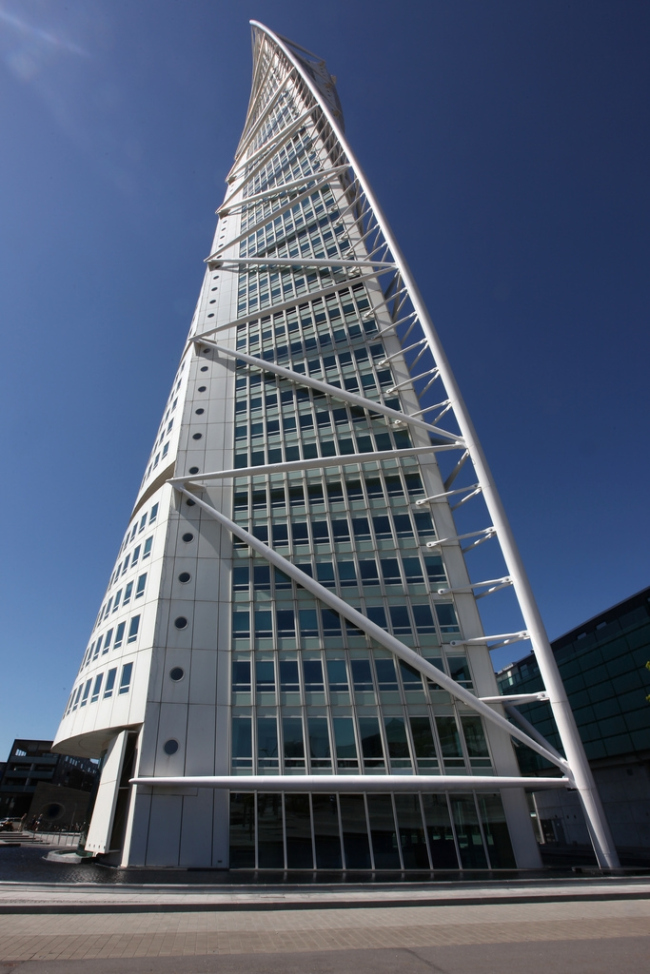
99,833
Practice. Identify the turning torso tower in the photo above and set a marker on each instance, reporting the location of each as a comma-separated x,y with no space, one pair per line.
288,669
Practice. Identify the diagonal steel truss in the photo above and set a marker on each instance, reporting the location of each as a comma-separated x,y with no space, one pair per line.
375,255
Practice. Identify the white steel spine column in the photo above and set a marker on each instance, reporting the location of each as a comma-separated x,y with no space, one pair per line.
594,813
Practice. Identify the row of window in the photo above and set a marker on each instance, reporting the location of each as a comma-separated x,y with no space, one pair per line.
138,526
103,642
369,675
384,528
284,623
336,491
131,560
262,211
399,831
343,446
294,286
123,596
166,424
83,694
299,223
322,316
346,572
291,161
347,744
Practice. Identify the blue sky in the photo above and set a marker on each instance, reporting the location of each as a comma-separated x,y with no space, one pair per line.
508,143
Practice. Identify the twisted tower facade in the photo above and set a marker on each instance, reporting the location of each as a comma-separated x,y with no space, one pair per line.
289,668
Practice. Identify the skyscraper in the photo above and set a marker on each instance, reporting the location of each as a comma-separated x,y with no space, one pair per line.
289,668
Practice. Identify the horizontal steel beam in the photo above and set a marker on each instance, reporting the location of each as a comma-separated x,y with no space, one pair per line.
215,261
335,392
312,464
516,698
355,783
298,301
358,619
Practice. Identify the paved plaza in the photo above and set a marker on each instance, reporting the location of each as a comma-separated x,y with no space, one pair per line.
606,929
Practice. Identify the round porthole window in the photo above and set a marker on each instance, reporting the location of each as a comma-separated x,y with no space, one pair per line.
188,537
199,412
197,436
204,368
176,673
180,622
170,746
194,469
210,316
206,351
190,502
202,388
184,577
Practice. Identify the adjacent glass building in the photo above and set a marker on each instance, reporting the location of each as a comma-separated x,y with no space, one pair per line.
288,665
605,664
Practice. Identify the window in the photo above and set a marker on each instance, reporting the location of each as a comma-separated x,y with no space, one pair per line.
128,591
125,679
413,570
435,570
447,617
399,618
347,573
377,614
337,675
423,619
368,572
241,624
267,742
97,688
147,547
386,674
308,622
110,683
289,681
361,675
143,521
142,581
331,622
360,527
119,635
424,524
136,555
241,675
285,622
265,675
382,527
134,625
116,600
320,532
84,699
242,747
240,578
325,573
390,571
107,641
411,678
371,746
154,511
263,625
312,672
403,525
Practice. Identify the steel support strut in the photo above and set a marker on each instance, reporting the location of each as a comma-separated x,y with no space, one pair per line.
594,813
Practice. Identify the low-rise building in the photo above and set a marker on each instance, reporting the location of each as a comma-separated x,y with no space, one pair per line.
51,789
605,666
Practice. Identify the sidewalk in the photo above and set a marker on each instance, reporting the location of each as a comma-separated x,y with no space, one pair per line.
82,898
